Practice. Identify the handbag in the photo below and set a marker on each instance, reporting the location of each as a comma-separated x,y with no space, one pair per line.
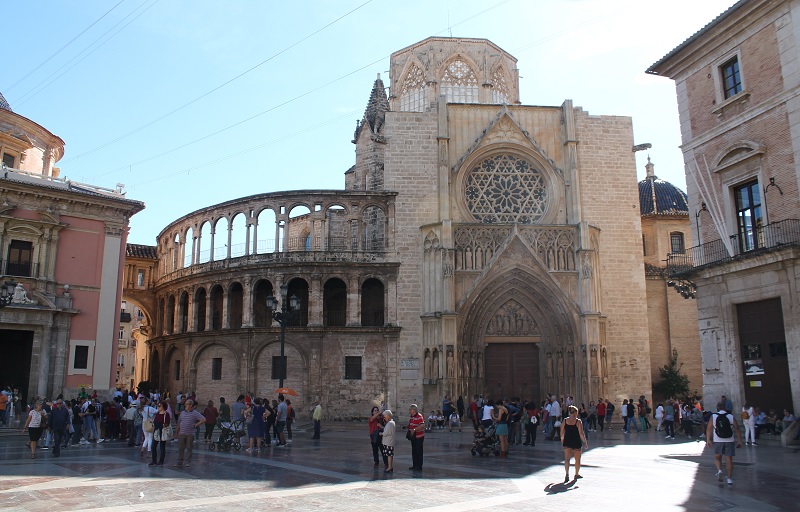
148,425
164,434
557,423
375,437
410,435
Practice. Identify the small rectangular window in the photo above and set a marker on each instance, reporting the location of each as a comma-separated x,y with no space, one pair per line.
20,257
278,368
140,278
121,334
178,369
676,243
731,78
352,367
81,360
216,368
9,160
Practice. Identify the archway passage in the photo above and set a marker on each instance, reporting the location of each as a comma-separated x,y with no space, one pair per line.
15,365
512,370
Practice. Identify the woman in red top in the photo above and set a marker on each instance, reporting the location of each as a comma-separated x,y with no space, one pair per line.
159,448
210,414
416,424
376,423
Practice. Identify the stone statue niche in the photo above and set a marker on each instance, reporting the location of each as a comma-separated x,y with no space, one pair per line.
435,365
451,367
427,369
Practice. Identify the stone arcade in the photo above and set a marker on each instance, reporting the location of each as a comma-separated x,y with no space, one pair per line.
465,255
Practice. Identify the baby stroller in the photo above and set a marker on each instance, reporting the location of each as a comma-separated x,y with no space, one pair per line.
487,445
229,436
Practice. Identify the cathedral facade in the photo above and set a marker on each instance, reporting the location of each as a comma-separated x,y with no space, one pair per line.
480,246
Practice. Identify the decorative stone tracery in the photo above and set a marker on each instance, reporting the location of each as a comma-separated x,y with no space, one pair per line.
506,189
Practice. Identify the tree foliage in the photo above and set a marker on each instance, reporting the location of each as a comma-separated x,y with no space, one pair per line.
144,388
673,383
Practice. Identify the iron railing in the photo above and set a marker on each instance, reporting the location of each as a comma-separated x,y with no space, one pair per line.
19,268
767,238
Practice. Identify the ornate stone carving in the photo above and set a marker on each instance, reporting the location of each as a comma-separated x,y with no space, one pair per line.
21,296
512,320
506,189
459,83
586,265
451,367
554,246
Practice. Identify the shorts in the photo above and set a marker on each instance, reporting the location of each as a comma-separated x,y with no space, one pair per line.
279,426
387,451
501,429
725,448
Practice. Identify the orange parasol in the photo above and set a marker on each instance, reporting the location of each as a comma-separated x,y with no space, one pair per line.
286,391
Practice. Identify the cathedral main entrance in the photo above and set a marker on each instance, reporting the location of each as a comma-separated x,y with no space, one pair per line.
512,370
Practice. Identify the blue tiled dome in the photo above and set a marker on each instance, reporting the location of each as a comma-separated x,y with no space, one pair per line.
659,197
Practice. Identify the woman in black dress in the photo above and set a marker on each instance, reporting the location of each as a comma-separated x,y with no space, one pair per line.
574,440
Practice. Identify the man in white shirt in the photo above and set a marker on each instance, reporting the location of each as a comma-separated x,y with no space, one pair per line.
555,415
721,433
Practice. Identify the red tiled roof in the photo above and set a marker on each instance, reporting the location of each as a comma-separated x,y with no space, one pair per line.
141,251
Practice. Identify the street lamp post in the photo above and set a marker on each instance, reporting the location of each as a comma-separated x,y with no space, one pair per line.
697,213
288,308
7,293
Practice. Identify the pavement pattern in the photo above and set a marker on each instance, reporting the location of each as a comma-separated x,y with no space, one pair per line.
337,473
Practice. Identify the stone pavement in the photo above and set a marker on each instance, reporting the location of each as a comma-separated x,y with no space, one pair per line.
336,473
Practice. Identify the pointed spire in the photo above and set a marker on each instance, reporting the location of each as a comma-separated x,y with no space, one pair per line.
377,106
649,169
4,104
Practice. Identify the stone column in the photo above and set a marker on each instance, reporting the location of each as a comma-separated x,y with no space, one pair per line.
353,309
315,300
247,303
225,297
211,248
230,237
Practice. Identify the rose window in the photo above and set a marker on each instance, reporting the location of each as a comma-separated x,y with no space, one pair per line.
506,189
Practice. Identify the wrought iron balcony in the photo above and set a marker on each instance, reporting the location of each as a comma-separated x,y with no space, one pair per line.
763,239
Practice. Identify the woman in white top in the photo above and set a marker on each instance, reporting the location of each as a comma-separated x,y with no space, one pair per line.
749,421
387,441
37,419
148,412
659,416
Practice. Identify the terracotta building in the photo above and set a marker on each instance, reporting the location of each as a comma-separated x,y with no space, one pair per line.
479,246
62,245
738,89
671,317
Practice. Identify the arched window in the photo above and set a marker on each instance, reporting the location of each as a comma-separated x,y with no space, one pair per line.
216,308
676,242
372,314
413,91
235,306
459,83
299,288
200,310
183,312
262,315
499,86
334,303
171,314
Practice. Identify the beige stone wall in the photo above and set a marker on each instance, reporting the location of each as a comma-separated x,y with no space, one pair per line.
610,201
412,171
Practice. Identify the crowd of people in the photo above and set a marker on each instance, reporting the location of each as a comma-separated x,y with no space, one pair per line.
149,421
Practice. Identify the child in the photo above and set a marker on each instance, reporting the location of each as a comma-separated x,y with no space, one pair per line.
455,421
478,438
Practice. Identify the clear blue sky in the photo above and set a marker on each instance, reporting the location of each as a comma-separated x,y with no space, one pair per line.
109,91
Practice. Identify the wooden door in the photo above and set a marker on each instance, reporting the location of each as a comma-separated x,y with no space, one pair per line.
763,353
512,370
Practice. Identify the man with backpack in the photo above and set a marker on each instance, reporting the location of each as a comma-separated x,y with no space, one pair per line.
723,434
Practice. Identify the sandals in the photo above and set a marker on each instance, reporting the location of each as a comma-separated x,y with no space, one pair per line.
33,455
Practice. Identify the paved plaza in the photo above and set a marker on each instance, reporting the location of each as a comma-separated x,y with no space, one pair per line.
336,473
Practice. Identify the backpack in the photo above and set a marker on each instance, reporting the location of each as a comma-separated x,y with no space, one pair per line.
722,427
